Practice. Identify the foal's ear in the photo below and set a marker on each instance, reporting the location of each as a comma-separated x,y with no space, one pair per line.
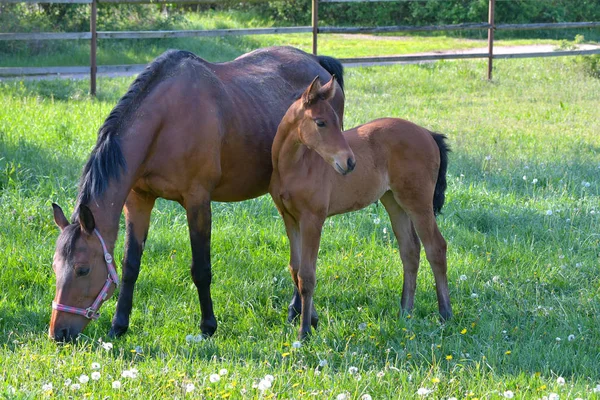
86,219
328,90
59,217
311,94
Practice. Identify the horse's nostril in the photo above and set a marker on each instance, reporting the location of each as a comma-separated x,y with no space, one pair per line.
351,164
62,335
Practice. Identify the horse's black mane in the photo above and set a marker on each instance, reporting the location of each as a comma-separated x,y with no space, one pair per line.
107,161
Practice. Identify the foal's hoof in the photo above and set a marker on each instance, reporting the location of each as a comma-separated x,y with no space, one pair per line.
293,313
117,331
314,320
208,326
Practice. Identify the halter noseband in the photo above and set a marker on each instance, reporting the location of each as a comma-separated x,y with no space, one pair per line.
92,311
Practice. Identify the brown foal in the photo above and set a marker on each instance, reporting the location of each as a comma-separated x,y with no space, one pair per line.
392,160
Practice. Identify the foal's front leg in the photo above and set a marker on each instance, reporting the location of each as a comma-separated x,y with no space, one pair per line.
293,232
199,223
310,233
138,208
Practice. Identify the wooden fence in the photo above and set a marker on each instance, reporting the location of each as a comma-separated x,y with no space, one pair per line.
93,35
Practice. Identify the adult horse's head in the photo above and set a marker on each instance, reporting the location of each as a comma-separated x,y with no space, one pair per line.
85,275
319,126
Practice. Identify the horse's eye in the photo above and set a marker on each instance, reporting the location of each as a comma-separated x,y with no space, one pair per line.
320,123
82,271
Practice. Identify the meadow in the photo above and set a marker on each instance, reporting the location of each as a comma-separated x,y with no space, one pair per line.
522,220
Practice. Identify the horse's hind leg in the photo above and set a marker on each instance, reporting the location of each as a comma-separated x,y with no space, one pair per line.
435,248
199,223
138,208
295,307
410,248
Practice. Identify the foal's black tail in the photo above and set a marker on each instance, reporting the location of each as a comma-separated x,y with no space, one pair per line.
334,67
439,195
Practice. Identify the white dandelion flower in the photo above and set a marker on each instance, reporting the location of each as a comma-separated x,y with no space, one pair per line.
95,365
269,378
534,181
95,375
323,363
116,385
264,385
553,396
597,389
571,338
296,345
424,391
377,221
508,394
83,378
75,386
223,372
352,370
558,339
462,277
362,327
214,378
560,380
107,346
189,338
366,396
342,396
474,295
380,374
47,387
68,382
190,387
548,212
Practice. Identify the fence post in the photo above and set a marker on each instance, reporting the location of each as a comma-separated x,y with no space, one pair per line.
491,39
315,25
93,44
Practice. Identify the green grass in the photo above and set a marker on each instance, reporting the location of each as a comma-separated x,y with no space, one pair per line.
530,277
141,51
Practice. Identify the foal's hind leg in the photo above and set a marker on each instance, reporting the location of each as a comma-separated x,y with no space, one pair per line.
410,248
199,223
293,233
138,208
435,249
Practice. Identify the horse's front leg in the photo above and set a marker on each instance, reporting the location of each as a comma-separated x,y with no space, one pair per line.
310,233
138,208
199,222
293,233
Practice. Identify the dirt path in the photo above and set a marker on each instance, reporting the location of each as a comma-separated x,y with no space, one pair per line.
534,48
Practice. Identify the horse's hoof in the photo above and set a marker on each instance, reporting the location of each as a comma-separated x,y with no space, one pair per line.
304,335
117,331
293,313
314,320
208,326
446,314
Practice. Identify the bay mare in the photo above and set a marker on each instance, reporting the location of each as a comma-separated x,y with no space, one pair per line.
318,171
186,130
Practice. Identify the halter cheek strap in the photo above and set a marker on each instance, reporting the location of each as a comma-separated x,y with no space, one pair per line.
92,311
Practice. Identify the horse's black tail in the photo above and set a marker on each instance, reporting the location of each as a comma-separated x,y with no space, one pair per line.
334,67
439,196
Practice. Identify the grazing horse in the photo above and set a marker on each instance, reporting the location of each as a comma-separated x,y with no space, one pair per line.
389,159
186,130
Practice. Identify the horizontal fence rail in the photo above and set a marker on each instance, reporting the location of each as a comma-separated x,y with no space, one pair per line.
93,35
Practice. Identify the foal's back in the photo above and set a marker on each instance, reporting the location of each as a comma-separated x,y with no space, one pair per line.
391,154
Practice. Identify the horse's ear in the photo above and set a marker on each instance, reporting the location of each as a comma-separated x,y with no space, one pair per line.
310,94
86,219
328,90
59,217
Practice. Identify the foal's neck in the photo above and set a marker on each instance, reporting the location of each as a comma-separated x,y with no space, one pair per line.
288,148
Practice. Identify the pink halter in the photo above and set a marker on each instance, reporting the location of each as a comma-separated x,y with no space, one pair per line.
92,311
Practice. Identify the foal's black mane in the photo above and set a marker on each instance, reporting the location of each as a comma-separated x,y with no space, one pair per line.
107,161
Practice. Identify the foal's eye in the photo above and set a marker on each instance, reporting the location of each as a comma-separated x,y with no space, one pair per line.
320,123
82,271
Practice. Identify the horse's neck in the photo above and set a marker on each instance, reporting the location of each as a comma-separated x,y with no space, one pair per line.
108,206
288,149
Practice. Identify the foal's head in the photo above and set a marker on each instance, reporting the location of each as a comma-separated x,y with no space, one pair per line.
319,126
81,272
